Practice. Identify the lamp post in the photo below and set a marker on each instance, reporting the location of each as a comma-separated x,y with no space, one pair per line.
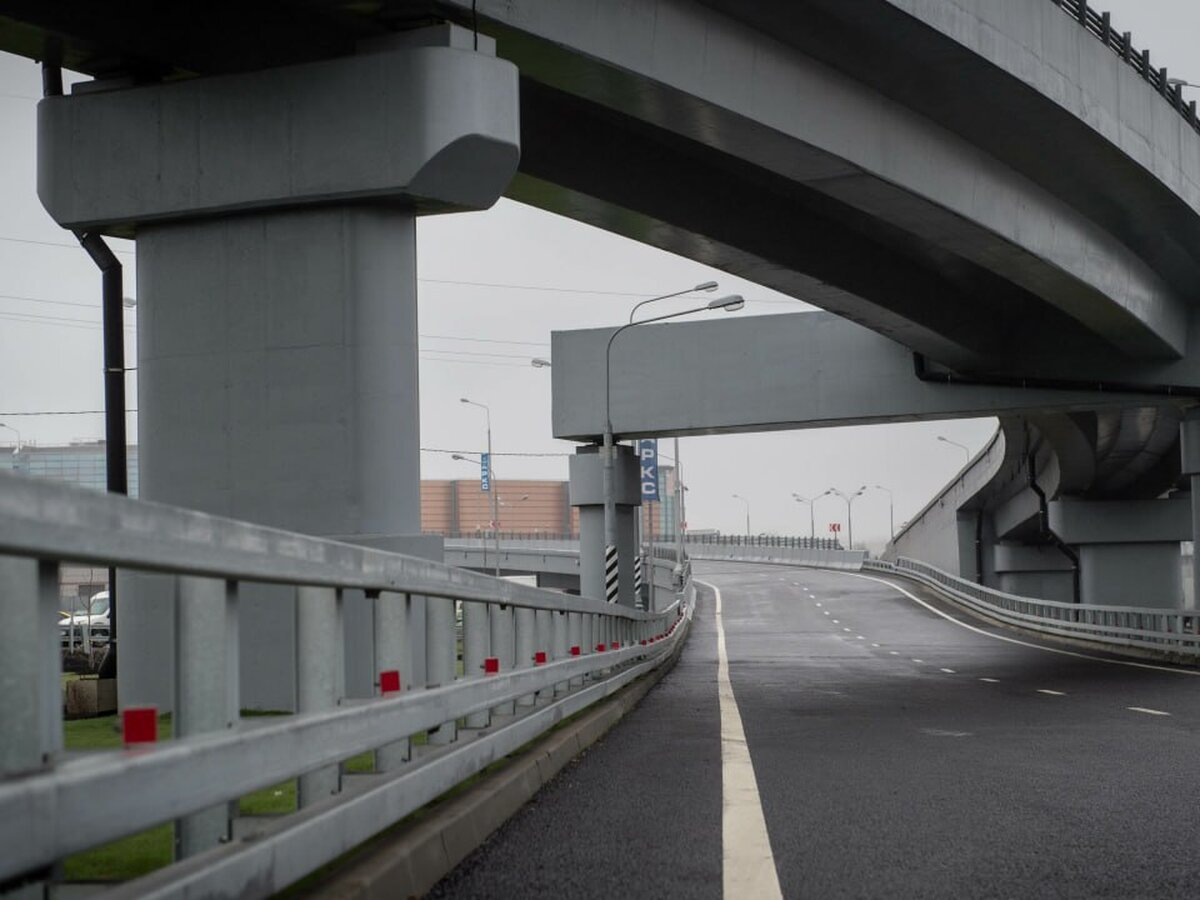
812,522
705,286
17,433
891,511
963,447
747,502
730,303
849,498
492,486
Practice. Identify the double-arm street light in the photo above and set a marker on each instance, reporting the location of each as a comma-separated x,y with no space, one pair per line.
730,303
705,286
812,522
849,498
747,502
491,480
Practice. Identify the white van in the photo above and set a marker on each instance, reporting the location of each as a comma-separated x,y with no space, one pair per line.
71,628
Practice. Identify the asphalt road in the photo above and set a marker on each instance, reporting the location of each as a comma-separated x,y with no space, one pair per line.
897,754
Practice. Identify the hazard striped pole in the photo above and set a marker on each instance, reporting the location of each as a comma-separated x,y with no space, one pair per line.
637,582
611,581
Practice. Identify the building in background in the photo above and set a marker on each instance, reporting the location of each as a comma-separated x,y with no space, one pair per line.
454,508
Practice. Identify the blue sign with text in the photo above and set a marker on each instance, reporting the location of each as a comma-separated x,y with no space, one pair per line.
485,471
648,460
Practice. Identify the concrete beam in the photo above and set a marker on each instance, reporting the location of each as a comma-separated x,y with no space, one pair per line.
768,373
1122,521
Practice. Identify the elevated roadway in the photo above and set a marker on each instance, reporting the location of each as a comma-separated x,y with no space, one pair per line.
899,748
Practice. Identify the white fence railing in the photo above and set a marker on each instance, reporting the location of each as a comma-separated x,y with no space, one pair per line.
1173,631
529,659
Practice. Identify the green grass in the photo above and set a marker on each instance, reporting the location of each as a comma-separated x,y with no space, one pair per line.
146,851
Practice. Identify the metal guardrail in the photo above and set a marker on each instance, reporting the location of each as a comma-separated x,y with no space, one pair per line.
556,654
1099,25
1174,631
762,540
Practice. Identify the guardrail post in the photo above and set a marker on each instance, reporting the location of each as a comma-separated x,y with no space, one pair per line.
543,640
575,639
476,641
441,657
560,645
393,652
320,674
206,688
503,647
526,626
30,674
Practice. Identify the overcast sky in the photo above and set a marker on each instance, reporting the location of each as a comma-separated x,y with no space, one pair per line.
493,285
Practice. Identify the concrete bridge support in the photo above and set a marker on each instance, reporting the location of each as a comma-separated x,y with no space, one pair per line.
275,214
587,492
1128,550
1034,571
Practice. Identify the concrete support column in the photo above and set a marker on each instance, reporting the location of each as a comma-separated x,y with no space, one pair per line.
1128,550
277,356
586,491
1189,445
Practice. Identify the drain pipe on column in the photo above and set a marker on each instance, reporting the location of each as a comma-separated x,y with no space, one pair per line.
1047,531
113,324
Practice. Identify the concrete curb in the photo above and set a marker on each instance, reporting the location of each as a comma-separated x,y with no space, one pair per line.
412,860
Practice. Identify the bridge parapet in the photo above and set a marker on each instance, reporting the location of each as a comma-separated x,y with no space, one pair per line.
569,652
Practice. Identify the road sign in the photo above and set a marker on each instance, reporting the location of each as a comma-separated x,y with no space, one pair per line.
648,458
835,526
485,471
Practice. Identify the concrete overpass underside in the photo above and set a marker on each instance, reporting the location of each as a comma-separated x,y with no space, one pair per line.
988,185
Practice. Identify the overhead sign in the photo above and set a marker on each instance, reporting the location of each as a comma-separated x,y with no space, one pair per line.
648,459
485,471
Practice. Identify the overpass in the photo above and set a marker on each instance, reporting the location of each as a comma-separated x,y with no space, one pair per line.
997,203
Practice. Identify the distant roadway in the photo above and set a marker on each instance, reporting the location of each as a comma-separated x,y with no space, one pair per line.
899,749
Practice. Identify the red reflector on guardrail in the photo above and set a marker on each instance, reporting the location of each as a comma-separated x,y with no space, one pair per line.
491,665
575,650
139,724
599,648
389,682
643,642
616,645
539,658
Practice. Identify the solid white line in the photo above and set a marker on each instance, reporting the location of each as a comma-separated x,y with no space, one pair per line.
1051,693
748,865
1149,712
1001,637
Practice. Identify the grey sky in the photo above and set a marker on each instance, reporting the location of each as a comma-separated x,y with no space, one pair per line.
509,274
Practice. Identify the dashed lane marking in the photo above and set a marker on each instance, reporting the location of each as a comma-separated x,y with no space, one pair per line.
1051,693
1001,637
894,652
919,661
748,865
859,637
949,671
1149,712
991,680
876,646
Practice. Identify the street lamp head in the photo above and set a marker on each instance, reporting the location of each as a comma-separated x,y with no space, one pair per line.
459,456
463,400
538,363
729,303
706,286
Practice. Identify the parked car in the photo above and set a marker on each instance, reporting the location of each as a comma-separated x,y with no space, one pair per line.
94,619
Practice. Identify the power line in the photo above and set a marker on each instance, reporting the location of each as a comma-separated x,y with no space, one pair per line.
500,453
17,240
25,299
451,337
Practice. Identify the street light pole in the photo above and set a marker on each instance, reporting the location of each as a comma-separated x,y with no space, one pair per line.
747,502
14,431
963,447
849,498
706,286
493,488
730,303
812,521
891,511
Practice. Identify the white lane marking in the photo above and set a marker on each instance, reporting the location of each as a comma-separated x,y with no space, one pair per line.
894,652
818,604
748,865
1051,693
948,671
919,661
876,646
1149,712
845,629
991,680
826,612
836,622
859,637
1001,637
938,732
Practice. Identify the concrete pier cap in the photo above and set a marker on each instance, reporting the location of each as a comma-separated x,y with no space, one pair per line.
275,218
586,491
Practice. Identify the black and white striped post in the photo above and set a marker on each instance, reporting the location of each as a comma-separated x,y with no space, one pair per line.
612,580
637,583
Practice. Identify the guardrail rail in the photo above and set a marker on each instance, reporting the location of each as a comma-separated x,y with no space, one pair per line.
530,658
